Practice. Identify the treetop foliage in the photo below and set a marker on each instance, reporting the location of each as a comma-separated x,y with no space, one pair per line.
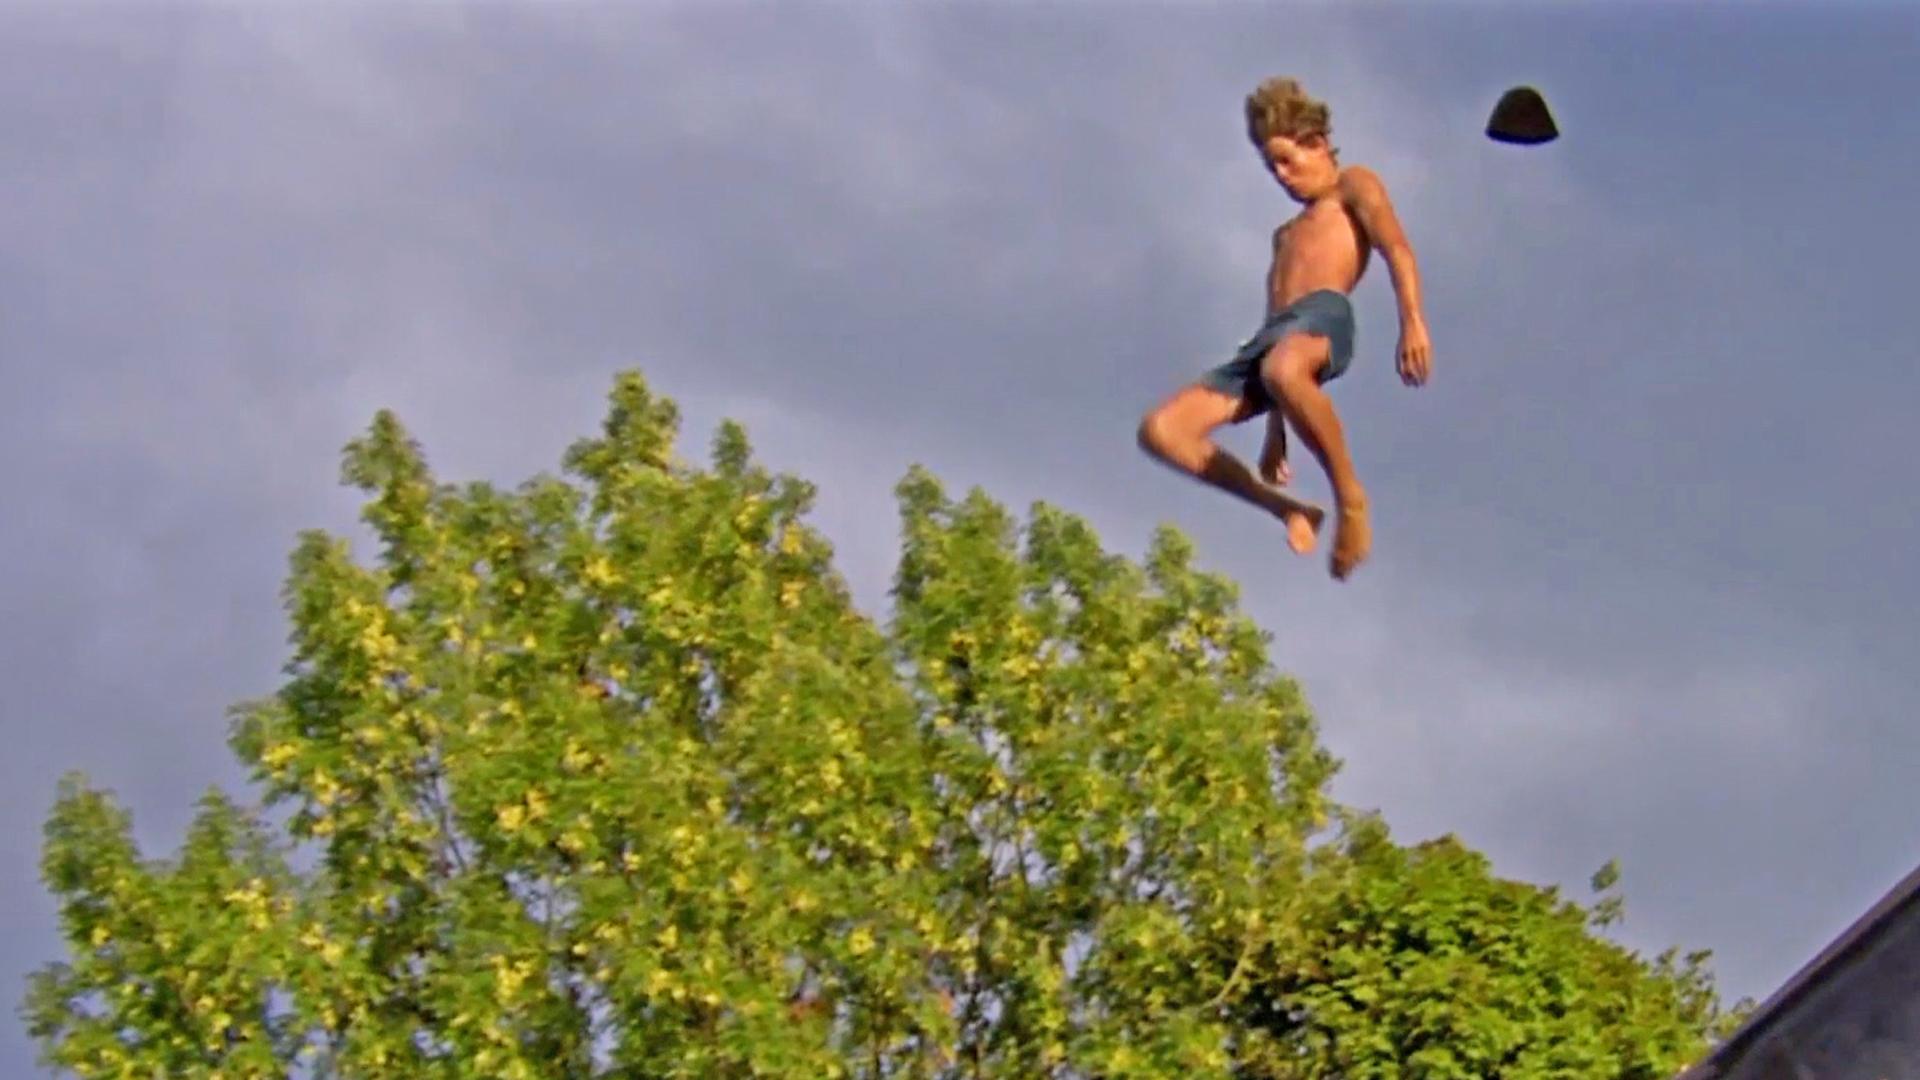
606,775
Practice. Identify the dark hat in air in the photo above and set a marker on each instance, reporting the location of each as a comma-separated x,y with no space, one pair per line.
1521,117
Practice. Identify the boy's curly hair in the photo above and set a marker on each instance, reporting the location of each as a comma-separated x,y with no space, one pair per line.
1281,106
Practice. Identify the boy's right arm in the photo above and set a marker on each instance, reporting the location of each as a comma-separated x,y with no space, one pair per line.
1366,197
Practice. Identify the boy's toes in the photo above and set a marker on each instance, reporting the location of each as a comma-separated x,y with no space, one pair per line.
1343,563
1302,533
1353,540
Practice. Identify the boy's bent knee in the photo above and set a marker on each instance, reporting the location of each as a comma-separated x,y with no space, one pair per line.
1179,427
1155,433
1167,435
1295,363
1286,385
1289,382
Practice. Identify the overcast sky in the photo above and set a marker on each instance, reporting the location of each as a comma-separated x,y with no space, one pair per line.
1642,584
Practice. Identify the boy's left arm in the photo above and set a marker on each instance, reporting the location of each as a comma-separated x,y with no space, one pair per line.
1366,198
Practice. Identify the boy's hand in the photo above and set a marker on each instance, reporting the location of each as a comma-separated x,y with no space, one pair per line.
1416,352
1273,451
1273,466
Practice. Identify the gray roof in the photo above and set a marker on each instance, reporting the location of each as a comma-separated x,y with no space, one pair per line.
1893,911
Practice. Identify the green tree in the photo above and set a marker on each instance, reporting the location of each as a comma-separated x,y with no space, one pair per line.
1419,962
607,776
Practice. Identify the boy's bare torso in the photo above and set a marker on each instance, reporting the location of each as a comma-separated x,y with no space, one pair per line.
1321,247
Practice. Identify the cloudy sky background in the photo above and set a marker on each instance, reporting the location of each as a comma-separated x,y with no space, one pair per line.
1641,584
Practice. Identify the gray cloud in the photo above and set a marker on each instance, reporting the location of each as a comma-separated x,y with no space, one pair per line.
1618,607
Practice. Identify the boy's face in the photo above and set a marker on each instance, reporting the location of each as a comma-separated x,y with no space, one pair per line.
1303,166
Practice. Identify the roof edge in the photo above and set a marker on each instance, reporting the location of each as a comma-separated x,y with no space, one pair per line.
1849,944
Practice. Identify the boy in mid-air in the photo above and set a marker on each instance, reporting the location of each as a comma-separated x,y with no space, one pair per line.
1307,337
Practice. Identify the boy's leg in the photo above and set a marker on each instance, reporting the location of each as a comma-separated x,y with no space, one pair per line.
1291,374
1179,433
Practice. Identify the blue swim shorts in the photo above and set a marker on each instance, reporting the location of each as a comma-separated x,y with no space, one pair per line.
1324,312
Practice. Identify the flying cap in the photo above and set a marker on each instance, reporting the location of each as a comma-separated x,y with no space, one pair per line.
1521,117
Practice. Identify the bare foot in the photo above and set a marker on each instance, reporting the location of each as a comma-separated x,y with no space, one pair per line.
1303,528
1352,537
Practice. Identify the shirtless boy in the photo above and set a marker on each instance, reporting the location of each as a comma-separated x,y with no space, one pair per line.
1307,338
